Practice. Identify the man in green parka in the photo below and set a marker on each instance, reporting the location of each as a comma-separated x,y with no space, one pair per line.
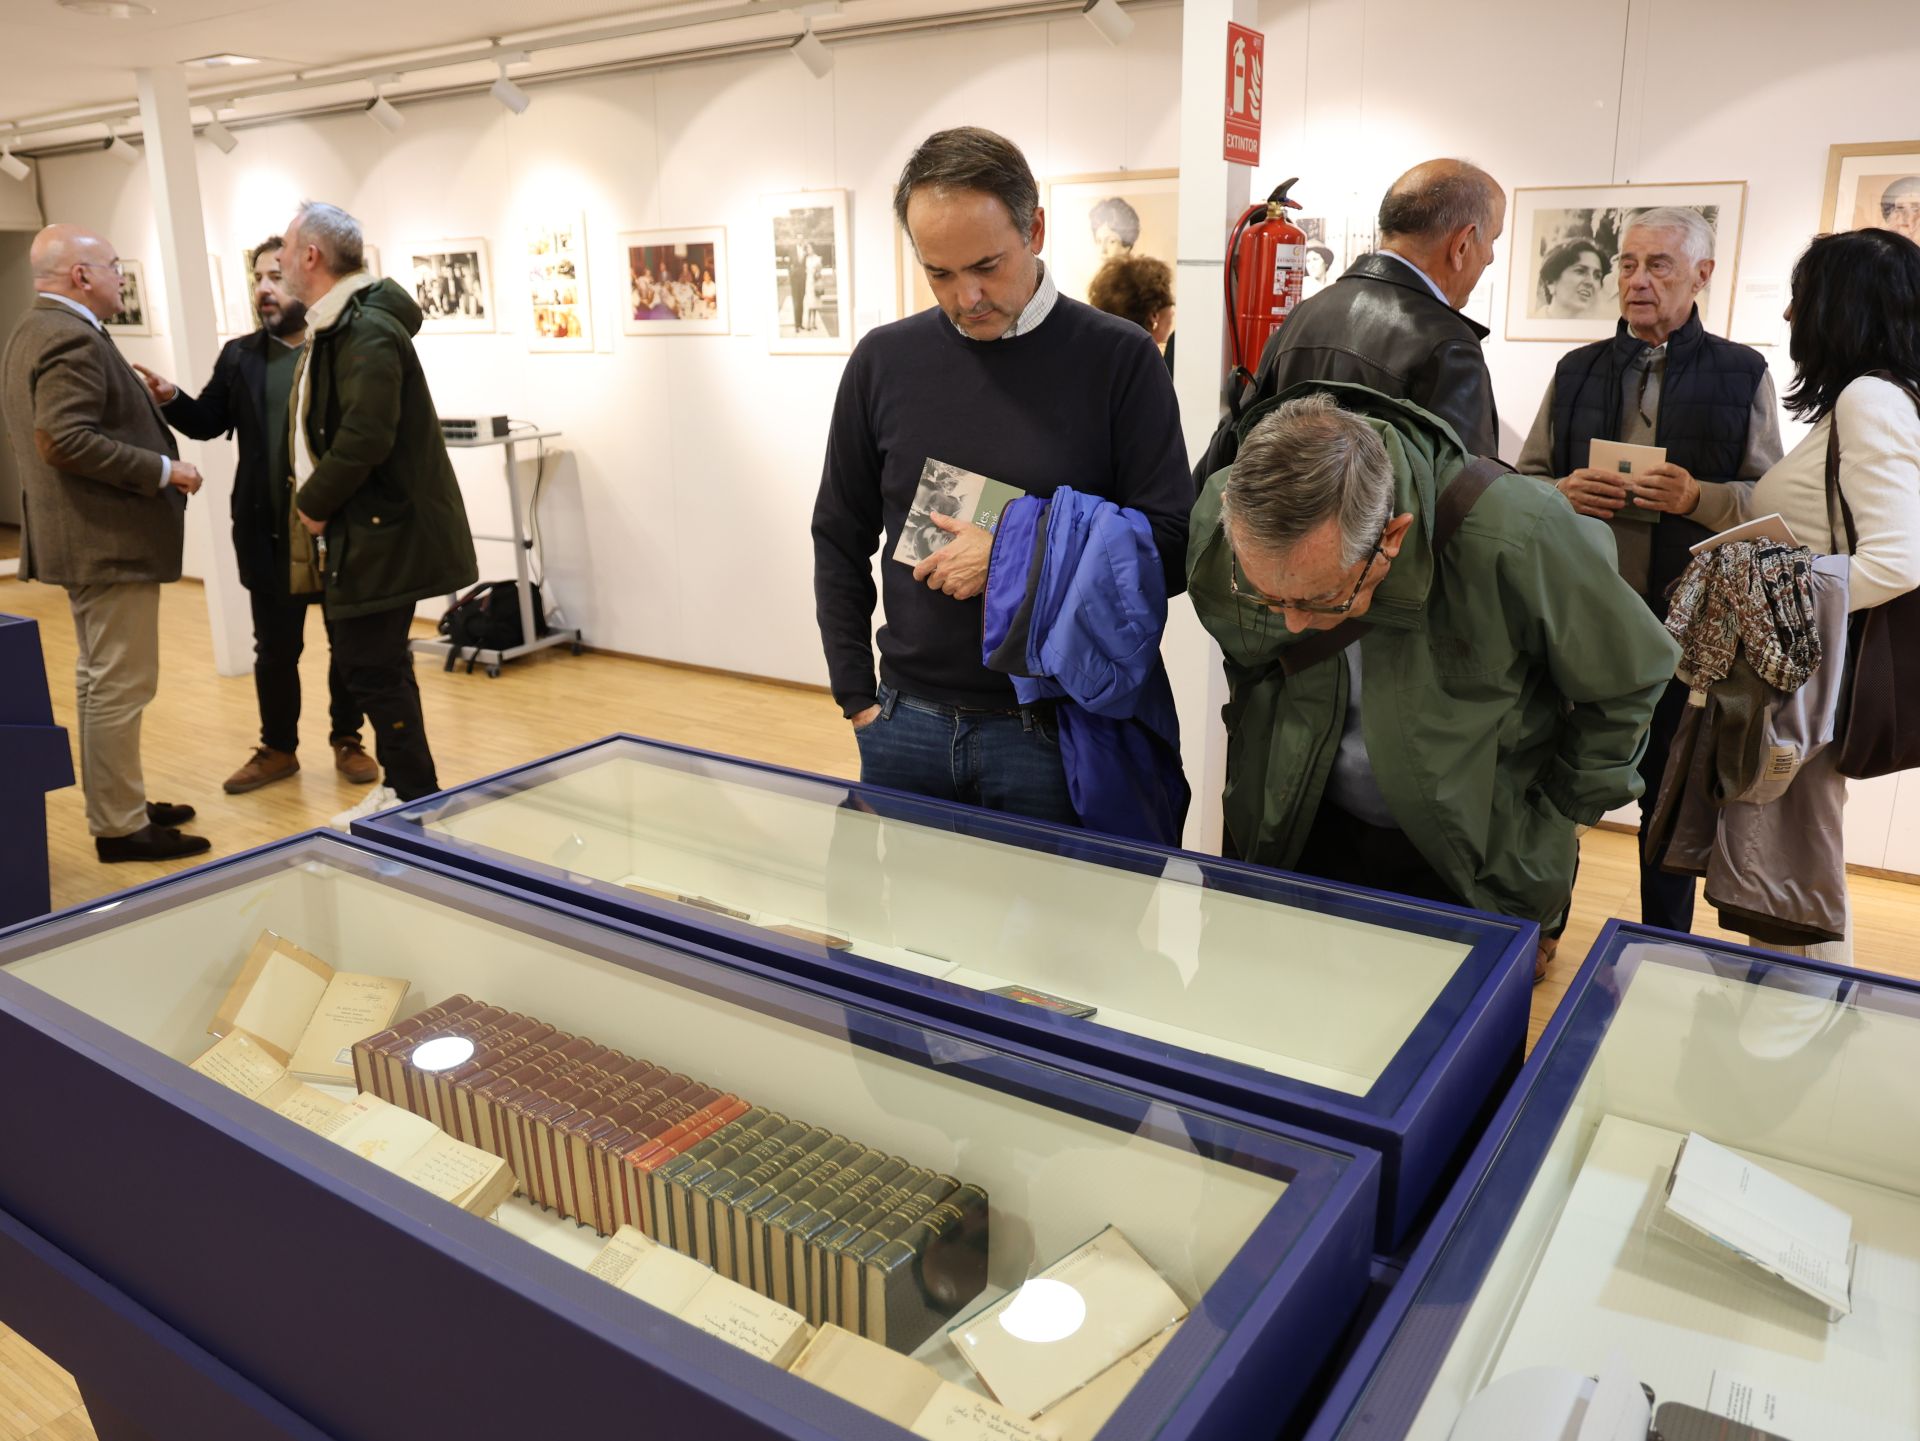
373,483
1494,689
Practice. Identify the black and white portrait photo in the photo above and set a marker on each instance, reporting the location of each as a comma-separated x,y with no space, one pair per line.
133,317
812,304
1874,186
1562,284
452,288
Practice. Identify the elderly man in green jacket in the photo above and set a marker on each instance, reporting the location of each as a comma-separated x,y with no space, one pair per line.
372,483
1436,674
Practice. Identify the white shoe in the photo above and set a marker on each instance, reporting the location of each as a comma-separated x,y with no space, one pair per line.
380,798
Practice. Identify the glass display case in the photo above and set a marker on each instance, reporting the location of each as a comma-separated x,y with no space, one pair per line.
262,1116
1383,1021
1697,1216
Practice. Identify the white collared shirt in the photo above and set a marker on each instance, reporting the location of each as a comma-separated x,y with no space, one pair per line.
166,461
1037,309
1438,294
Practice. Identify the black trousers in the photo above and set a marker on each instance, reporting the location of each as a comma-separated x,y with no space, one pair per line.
371,650
279,637
1665,899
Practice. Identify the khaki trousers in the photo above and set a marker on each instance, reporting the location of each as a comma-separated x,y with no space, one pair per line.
118,627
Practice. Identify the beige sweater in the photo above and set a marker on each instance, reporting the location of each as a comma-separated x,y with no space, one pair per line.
1879,475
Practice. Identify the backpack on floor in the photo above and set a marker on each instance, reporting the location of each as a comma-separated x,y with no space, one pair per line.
488,618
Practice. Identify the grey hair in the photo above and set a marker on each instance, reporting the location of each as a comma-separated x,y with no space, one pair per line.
332,232
970,158
1461,195
1697,235
1308,461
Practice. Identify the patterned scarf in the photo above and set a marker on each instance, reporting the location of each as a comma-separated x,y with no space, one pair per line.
1751,594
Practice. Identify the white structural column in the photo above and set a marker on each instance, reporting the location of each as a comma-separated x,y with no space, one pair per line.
167,128
1212,195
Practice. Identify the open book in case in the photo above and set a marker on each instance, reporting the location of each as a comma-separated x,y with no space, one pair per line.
1696,1215
748,1201
1387,1022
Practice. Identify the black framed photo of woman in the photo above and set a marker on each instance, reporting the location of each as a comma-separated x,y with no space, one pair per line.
1561,280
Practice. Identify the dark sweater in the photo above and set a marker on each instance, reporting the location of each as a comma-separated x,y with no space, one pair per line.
1083,400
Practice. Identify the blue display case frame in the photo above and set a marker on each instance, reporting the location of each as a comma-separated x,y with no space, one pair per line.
1385,1377
219,1253
1418,1114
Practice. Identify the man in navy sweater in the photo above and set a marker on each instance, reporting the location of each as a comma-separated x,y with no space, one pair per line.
1009,379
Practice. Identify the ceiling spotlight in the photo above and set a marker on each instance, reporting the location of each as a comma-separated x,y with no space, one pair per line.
811,53
1106,16
219,134
13,165
107,9
120,150
509,94
384,115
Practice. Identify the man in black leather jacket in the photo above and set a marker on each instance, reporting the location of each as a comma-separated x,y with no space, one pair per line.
1393,322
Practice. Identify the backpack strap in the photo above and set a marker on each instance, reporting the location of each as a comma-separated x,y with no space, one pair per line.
1466,488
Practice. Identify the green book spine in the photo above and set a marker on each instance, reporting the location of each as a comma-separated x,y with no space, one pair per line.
752,1212
834,1244
808,1242
855,1254
661,1182
680,1187
705,1196
919,1281
785,1240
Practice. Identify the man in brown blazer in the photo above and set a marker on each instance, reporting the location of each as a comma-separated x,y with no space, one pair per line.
104,494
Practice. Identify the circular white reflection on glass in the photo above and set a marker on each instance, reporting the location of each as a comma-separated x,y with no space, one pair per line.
442,1053
1044,1310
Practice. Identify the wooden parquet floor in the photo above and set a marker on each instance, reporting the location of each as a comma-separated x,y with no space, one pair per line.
202,726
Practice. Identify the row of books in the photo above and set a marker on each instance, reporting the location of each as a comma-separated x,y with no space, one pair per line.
838,1231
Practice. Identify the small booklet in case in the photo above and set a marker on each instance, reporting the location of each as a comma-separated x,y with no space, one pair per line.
1783,1231
902,1390
305,1014
1092,1308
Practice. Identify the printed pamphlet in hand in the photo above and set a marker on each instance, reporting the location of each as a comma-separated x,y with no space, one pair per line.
958,494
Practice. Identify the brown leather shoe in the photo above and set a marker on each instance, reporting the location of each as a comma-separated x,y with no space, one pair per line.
352,761
1544,957
264,767
149,843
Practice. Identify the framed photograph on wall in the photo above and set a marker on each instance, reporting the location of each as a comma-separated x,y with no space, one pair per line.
812,274
559,314
676,281
451,284
1873,185
135,316
223,310
1561,284
1093,218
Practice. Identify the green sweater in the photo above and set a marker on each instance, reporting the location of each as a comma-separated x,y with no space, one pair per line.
1504,699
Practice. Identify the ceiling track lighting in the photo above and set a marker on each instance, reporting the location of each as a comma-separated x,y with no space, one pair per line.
1106,16
812,52
383,113
505,91
13,166
219,134
118,148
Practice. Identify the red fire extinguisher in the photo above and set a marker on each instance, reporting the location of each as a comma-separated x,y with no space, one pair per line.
1266,261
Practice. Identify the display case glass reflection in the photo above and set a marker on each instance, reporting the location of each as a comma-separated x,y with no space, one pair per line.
532,1048
1589,1253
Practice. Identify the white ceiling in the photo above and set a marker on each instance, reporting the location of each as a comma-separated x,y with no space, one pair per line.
58,62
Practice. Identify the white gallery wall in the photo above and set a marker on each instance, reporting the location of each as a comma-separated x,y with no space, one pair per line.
677,524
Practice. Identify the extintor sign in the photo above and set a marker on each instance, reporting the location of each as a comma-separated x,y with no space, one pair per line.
1246,77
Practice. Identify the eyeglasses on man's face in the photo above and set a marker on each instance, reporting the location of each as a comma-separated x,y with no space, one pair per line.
1317,605
112,265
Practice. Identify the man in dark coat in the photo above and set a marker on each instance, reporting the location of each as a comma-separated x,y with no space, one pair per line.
373,483
1392,323
247,396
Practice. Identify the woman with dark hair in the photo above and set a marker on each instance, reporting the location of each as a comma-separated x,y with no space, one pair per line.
1855,318
1570,280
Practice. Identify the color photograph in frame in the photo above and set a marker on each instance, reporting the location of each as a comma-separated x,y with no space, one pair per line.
1875,185
1093,218
676,281
811,274
559,313
1563,242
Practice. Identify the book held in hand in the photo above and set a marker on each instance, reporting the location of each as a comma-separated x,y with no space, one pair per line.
305,1014
1623,461
957,494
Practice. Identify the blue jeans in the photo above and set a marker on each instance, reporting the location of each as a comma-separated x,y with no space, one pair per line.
1003,760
